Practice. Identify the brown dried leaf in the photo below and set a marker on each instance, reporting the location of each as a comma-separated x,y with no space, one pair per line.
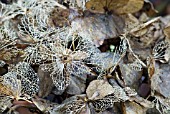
130,76
167,31
140,28
148,8
160,79
46,83
133,108
77,85
11,55
100,87
98,27
130,21
118,6
59,17
23,110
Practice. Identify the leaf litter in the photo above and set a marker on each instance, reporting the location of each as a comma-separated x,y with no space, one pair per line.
83,57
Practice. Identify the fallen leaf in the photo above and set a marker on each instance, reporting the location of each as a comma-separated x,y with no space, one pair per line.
120,6
45,86
133,108
100,87
97,27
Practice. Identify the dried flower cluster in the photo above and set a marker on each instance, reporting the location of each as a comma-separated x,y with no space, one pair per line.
83,57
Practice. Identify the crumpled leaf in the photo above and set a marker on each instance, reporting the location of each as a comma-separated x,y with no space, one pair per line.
44,105
142,28
142,43
131,22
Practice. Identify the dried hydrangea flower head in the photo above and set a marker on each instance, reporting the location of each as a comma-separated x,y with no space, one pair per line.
68,57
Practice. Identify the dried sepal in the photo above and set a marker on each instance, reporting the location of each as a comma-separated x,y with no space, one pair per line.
60,77
104,103
108,101
135,66
72,105
161,104
161,52
5,102
119,53
36,54
8,12
27,31
29,79
8,35
130,92
21,81
10,85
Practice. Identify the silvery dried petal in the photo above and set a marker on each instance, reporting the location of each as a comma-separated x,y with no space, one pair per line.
29,79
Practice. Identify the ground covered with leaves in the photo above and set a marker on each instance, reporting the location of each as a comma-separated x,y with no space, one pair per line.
83,57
